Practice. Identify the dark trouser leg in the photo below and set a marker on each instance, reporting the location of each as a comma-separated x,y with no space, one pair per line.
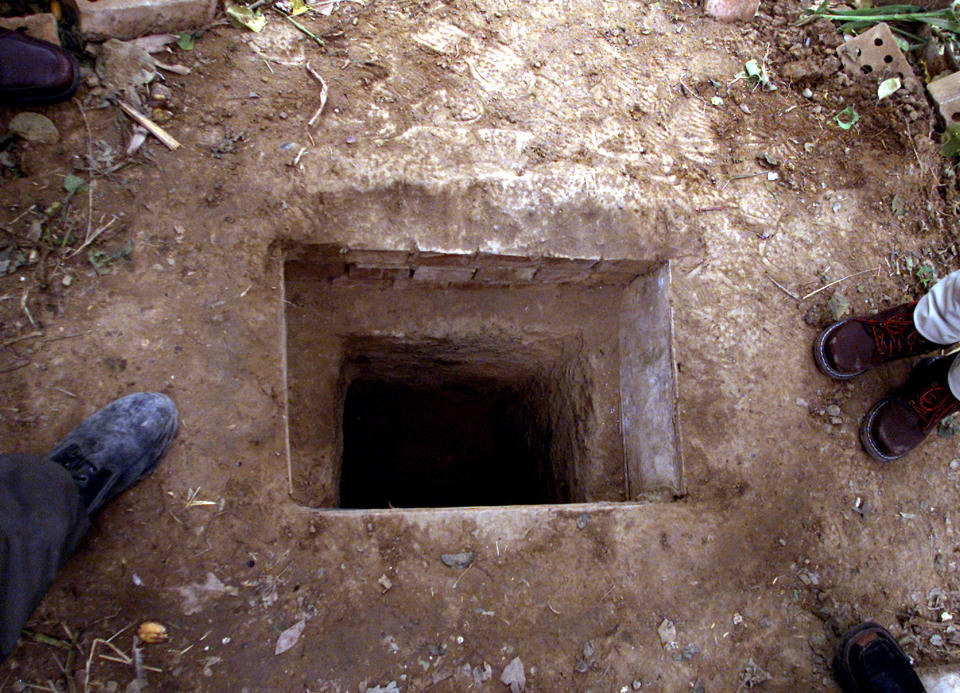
41,521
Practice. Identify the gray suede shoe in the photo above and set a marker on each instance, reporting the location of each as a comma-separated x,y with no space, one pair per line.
117,446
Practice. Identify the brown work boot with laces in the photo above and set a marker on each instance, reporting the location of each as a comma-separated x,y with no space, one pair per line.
900,421
850,347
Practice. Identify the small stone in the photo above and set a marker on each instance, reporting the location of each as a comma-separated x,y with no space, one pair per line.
67,280
513,676
838,306
667,632
460,561
582,521
806,93
954,465
35,232
637,684
34,127
161,92
836,420
936,640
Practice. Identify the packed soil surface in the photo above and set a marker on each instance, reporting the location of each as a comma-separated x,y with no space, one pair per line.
579,129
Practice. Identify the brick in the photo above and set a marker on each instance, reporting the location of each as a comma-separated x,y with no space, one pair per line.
39,26
505,269
444,274
363,271
383,258
446,260
563,271
946,93
127,19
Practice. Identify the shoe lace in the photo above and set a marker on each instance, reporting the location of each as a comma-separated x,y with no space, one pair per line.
74,461
933,404
895,334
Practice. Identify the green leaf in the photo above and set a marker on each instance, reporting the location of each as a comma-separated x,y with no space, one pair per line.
72,183
951,142
847,118
254,21
185,40
888,87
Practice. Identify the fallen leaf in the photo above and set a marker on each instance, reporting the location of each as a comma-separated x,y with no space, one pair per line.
290,636
888,87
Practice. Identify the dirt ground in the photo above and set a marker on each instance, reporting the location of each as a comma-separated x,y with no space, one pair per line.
583,128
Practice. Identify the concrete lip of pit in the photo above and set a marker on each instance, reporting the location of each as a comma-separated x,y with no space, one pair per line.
435,380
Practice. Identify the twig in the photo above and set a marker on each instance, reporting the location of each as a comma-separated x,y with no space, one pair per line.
66,336
86,125
66,392
301,27
783,288
17,365
323,95
90,238
836,281
21,215
457,581
718,208
155,130
23,305
21,338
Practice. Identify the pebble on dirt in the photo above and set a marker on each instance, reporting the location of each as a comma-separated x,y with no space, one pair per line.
732,10
513,676
458,560
34,127
668,633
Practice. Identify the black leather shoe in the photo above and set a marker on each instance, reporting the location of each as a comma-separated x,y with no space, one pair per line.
34,72
117,446
871,661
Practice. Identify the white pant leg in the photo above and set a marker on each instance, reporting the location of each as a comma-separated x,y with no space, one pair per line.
937,317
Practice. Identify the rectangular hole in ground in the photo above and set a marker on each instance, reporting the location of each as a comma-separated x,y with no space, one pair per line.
427,380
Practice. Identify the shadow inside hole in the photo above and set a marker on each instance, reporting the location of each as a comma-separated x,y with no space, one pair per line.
455,444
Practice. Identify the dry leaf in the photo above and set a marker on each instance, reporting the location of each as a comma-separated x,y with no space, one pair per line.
290,636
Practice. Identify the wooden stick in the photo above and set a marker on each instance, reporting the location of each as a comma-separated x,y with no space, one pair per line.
151,127
323,95
837,281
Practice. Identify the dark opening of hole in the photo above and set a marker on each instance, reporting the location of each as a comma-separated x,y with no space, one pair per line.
955,116
867,69
888,59
878,42
453,445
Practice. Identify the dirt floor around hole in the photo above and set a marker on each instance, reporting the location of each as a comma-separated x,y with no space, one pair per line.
578,129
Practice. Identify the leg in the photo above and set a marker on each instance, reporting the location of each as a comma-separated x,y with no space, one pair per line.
41,523
937,315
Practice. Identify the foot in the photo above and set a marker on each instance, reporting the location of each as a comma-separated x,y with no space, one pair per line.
117,446
871,661
900,421
848,348
34,72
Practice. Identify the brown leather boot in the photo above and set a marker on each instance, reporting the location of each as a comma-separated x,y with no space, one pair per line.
848,348
34,72
900,421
